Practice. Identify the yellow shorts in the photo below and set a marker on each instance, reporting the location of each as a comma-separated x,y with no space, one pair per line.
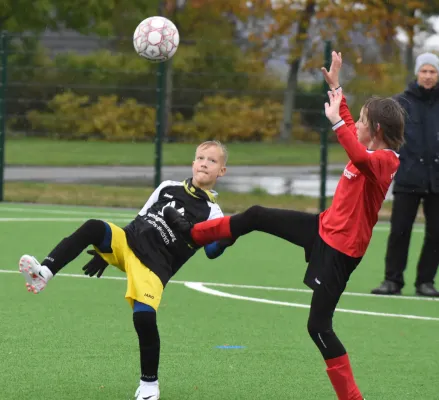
143,284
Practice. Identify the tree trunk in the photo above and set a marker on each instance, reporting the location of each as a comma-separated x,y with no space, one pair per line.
168,102
289,101
409,62
290,94
388,47
171,8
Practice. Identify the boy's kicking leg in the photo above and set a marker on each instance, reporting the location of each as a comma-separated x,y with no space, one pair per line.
92,232
294,226
300,229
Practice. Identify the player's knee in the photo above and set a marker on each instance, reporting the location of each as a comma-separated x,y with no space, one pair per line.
318,326
93,225
145,323
321,337
254,212
92,231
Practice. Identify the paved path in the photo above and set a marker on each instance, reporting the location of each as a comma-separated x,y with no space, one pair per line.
295,180
87,174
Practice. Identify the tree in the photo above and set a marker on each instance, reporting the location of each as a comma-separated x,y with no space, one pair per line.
38,15
296,29
410,16
281,28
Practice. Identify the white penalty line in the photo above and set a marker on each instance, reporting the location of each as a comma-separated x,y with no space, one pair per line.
68,212
116,218
201,287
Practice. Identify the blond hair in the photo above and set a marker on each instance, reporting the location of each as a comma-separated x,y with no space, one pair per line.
216,143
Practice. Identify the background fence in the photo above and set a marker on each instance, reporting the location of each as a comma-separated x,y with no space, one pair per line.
77,87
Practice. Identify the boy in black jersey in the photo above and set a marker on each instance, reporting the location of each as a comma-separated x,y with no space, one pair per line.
147,250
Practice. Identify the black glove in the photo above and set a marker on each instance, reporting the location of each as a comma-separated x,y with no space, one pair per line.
96,265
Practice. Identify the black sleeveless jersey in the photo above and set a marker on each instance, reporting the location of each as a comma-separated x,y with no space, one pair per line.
162,250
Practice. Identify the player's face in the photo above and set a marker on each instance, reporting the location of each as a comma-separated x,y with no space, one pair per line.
207,166
363,131
427,76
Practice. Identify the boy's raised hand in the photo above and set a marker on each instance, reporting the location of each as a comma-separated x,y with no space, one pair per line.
331,76
332,109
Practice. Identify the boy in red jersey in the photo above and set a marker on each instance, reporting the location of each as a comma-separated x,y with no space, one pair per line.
336,239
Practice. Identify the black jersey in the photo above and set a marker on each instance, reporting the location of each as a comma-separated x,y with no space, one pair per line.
162,250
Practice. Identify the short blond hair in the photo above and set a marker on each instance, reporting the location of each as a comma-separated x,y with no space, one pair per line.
216,143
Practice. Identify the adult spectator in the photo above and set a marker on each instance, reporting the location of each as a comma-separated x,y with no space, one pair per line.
416,182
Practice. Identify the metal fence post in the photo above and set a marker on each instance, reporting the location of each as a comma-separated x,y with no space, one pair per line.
160,120
324,137
4,63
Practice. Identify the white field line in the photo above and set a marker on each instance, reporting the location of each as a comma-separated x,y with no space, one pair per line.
296,290
237,286
112,217
201,288
67,212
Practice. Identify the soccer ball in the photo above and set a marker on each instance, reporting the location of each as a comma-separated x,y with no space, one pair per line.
156,38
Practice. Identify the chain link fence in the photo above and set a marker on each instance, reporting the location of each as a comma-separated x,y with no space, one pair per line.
75,87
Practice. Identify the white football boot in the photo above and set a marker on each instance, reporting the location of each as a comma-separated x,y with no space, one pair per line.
36,275
148,391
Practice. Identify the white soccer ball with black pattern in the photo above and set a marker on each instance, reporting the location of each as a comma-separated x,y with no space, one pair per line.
156,38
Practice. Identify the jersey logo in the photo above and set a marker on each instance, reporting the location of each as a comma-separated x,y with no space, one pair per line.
348,174
169,196
171,204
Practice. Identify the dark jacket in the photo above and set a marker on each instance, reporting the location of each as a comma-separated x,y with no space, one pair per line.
419,169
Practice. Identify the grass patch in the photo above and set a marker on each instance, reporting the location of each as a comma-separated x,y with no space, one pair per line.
89,348
74,153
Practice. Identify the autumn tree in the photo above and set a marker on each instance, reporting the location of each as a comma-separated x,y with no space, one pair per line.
389,16
38,15
364,31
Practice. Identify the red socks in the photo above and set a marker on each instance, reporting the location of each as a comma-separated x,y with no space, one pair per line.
340,373
210,231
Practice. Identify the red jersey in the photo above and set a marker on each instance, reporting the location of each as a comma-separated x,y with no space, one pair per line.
347,224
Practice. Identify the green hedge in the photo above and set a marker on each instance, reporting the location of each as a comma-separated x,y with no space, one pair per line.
110,118
199,71
76,117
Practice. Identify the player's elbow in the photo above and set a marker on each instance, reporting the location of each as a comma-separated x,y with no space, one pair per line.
361,161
